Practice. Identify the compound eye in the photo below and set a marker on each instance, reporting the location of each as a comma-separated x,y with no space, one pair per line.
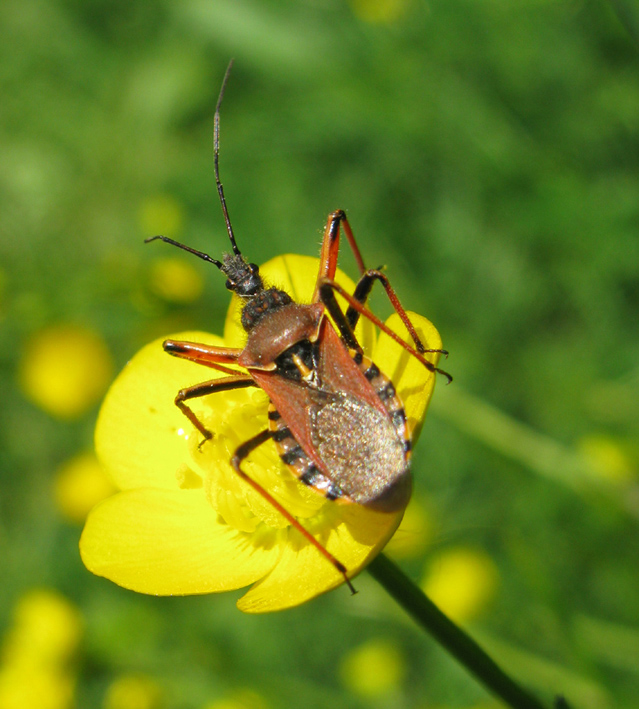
253,268
230,284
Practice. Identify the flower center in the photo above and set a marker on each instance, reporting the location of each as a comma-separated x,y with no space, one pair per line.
234,418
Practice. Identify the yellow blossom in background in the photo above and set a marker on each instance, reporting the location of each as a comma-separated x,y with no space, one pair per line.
133,692
374,668
36,669
26,686
46,627
414,533
184,522
380,11
161,214
65,369
461,582
173,279
79,485
608,458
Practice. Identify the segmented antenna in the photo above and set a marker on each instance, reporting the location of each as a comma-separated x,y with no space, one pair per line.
195,252
216,147
220,189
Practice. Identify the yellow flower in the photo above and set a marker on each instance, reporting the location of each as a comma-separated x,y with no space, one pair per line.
25,686
461,582
36,652
47,628
79,485
65,369
184,522
608,457
175,280
377,667
133,692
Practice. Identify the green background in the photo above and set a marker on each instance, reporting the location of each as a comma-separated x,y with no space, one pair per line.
487,152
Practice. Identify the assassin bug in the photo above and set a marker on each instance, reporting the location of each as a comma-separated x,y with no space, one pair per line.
336,420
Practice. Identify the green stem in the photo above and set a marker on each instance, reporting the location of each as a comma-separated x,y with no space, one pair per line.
454,639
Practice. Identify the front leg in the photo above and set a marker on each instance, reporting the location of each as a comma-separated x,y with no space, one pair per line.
207,355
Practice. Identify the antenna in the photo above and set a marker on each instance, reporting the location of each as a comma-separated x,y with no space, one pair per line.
216,147
199,254
220,191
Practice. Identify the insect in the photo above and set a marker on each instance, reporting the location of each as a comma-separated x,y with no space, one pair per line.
335,418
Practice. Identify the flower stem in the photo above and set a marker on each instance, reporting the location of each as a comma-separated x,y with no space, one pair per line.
453,638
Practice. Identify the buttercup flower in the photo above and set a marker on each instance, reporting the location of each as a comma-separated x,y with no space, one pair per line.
374,668
184,522
36,668
461,582
133,692
175,280
65,369
79,484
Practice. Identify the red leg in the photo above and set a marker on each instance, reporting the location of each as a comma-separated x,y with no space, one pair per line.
207,355
328,267
362,291
326,285
330,249
240,454
327,296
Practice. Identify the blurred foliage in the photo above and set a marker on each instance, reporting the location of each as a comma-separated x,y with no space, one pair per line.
488,153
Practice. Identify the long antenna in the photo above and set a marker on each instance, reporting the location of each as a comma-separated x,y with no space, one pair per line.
200,254
216,147
220,189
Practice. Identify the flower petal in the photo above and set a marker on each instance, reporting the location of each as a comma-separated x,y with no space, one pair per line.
355,536
414,383
140,436
167,542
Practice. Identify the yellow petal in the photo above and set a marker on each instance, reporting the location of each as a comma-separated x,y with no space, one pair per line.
171,543
414,383
352,533
140,434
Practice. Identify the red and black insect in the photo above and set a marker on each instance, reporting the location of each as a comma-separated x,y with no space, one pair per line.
335,418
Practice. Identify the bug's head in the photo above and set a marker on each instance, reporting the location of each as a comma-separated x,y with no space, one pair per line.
241,277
